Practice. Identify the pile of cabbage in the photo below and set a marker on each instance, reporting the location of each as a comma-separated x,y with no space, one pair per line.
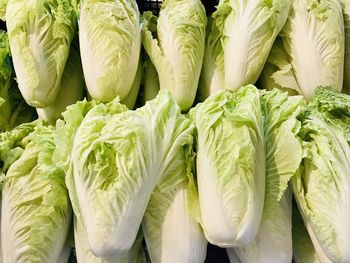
129,137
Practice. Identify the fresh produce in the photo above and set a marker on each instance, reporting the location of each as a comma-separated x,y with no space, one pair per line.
322,182
117,157
273,242
169,224
175,43
222,126
13,109
35,212
71,88
240,39
313,38
110,41
40,33
230,165
13,143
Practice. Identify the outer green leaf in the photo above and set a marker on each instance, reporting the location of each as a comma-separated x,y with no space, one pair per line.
117,159
65,131
314,32
230,165
335,108
171,232
71,88
248,32
12,144
273,242
177,48
110,40
36,213
40,33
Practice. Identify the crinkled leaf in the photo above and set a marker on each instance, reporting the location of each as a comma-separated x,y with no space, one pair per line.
110,41
248,32
40,33
177,47
36,213
314,40
230,165
321,186
71,88
273,242
117,159
169,228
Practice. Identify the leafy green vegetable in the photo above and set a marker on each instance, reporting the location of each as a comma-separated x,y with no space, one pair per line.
13,143
247,30
40,33
71,88
334,107
36,212
66,130
13,109
169,225
314,40
117,157
110,41
176,47
230,165
273,242
321,187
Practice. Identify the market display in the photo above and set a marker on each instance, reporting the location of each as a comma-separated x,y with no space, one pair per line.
130,137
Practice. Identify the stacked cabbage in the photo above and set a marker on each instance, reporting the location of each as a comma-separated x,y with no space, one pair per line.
135,162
